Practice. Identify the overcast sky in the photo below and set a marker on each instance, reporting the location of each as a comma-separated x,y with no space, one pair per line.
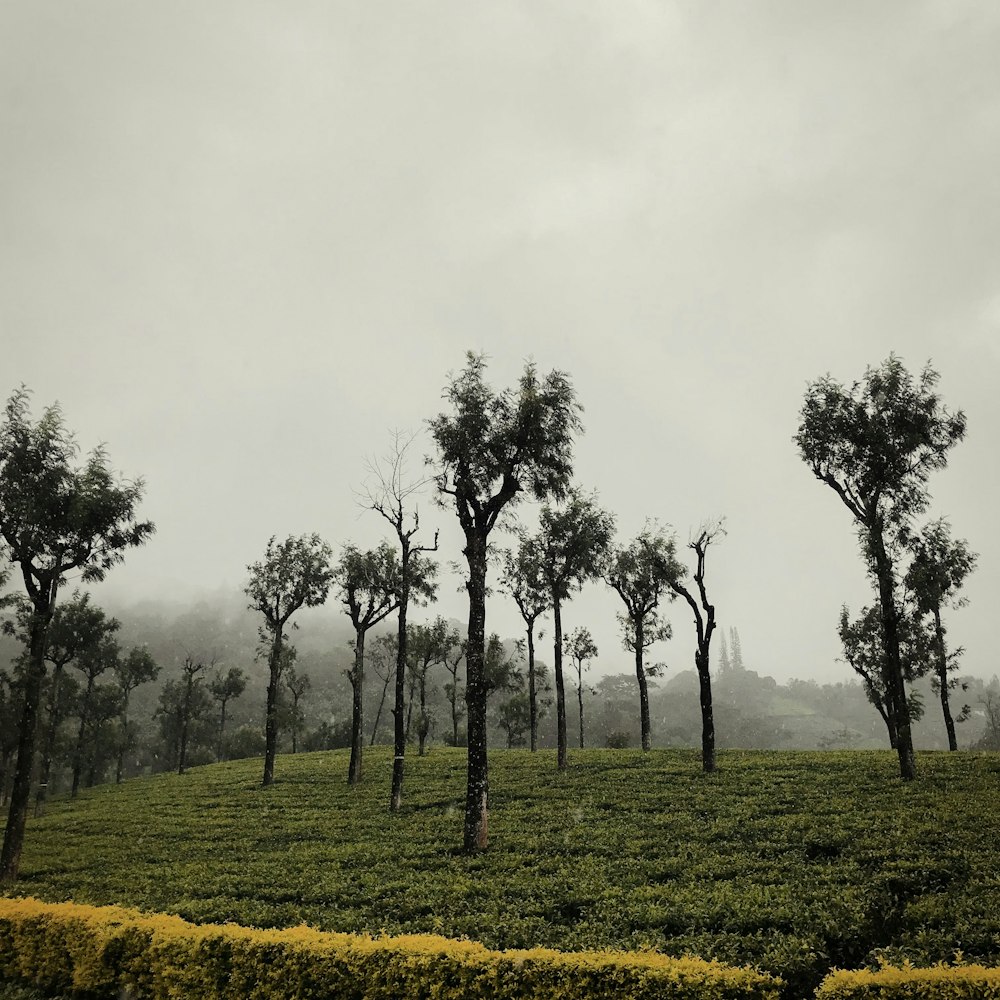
242,242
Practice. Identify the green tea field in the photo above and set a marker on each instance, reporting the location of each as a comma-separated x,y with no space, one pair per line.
794,862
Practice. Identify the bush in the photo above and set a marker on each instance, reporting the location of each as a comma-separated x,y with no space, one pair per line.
619,740
108,951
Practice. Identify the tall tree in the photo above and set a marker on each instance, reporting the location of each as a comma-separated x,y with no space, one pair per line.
429,645
383,660
369,585
704,624
452,662
936,573
393,494
76,626
492,448
135,668
224,688
574,541
192,671
581,648
299,685
875,445
864,650
523,580
295,573
640,574
55,518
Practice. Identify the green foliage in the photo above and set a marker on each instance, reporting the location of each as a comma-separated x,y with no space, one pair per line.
794,861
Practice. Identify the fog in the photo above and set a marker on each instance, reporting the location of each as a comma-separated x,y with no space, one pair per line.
241,243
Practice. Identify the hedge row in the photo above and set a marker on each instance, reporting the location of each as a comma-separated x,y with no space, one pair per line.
959,982
104,951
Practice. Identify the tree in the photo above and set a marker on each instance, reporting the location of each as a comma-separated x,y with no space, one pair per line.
865,653
92,663
295,573
455,656
581,648
640,574
429,645
191,680
875,445
493,448
54,518
704,624
574,541
391,497
523,580
10,713
737,654
936,573
298,686
135,668
76,626
223,688
383,660
186,713
369,584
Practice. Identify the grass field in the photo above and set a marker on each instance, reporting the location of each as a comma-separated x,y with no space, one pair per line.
795,862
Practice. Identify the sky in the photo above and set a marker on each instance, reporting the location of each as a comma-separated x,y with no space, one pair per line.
242,243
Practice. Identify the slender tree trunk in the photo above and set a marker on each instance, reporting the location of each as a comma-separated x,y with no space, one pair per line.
423,724
453,698
185,720
707,715
949,722
271,719
476,834
295,724
17,815
221,754
48,741
81,737
357,708
579,698
561,739
399,722
640,676
381,705
890,635
120,756
532,703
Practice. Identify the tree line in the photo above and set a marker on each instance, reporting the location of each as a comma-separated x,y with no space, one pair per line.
874,444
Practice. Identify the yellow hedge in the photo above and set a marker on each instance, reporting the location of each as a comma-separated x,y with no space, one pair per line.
941,982
111,951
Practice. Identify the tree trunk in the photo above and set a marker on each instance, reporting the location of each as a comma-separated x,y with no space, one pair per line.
48,741
560,687
357,709
81,738
13,840
378,714
894,667
222,731
454,707
707,716
640,676
476,834
579,698
423,724
399,722
185,720
949,722
532,704
271,719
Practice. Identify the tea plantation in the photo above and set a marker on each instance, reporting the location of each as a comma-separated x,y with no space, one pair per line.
794,862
